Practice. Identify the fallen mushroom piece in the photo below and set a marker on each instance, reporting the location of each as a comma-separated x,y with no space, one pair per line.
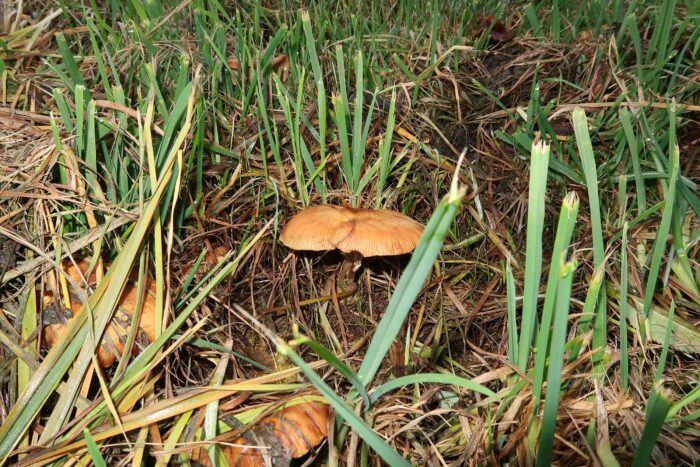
287,434
499,32
115,335
212,257
356,232
279,64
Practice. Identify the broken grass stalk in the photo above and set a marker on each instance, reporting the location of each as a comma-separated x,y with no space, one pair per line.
533,254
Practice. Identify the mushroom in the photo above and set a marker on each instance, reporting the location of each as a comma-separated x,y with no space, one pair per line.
358,233
289,433
214,255
114,338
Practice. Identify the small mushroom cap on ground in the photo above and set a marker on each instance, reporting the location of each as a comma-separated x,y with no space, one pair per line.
370,232
120,325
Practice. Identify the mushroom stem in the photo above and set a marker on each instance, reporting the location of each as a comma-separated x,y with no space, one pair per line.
346,275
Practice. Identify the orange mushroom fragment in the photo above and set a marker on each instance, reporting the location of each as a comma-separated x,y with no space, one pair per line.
356,232
287,434
279,63
116,333
213,256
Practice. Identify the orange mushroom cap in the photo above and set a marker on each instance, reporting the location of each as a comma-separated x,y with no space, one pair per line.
119,326
370,232
291,432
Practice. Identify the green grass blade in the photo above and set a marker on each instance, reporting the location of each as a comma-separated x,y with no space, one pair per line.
624,352
211,412
340,117
565,229
69,61
539,162
512,317
320,90
385,152
662,233
588,312
585,148
551,403
634,152
338,364
358,149
94,450
434,29
690,398
342,79
172,440
90,155
659,406
605,454
79,120
97,52
410,284
64,110
436,378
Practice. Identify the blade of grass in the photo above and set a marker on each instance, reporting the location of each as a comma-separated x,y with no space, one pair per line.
385,152
660,404
662,233
565,229
624,352
64,110
69,61
336,363
171,442
588,312
320,91
554,374
94,450
147,144
80,120
24,371
539,160
411,281
211,412
340,118
358,149
681,265
512,317
436,378
585,149
636,166
688,399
